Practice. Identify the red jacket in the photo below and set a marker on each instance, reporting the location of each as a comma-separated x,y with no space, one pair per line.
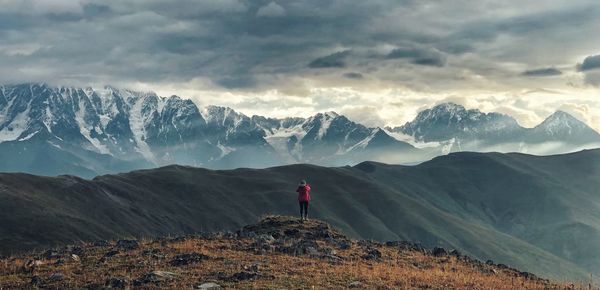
303,192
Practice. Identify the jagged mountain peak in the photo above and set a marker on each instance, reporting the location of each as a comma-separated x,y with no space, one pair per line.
328,114
449,120
562,116
562,126
448,107
222,115
561,119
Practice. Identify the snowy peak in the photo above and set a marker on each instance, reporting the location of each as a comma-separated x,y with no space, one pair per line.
561,119
380,139
449,120
564,127
223,116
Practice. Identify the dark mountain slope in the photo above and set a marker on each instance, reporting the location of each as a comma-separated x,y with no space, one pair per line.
516,209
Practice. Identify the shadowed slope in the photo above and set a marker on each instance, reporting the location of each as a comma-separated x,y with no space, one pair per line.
516,209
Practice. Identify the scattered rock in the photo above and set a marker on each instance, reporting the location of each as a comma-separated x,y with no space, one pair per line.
439,252
117,282
57,277
455,253
305,247
59,261
330,251
208,285
372,254
407,246
229,235
111,253
344,244
36,280
502,266
101,243
244,275
77,250
155,277
30,266
95,286
51,254
128,244
153,253
263,244
186,259
252,268
528,275
246,234
291,232
355,284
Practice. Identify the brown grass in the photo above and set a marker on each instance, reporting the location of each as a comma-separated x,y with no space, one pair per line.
398,269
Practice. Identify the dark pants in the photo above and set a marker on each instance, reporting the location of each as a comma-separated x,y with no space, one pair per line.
303,208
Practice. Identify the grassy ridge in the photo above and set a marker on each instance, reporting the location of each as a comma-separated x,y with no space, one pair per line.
539,214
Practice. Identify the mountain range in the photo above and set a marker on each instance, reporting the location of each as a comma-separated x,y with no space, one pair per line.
86,132
536,213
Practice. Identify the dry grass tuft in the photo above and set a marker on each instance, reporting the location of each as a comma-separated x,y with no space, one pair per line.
245,262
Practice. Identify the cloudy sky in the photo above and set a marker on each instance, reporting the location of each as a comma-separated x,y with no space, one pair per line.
378,62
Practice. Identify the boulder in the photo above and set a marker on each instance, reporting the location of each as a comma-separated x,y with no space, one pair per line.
208,285
355,284
51,254
30,265
155,277
117,283
372,254
56,276
101,243
36,281
439,252
244,275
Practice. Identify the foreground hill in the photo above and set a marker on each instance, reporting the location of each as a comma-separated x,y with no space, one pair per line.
276,253
539,214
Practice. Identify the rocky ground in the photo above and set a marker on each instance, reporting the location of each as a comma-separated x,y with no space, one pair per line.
276,253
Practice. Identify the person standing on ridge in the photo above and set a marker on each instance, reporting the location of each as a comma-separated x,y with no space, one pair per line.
303,199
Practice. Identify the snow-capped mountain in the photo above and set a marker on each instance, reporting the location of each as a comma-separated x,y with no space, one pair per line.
326,137
447,121
561,126
104,130
461,129
89,131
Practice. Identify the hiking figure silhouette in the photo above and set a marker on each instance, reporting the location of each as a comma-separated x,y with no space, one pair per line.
303,199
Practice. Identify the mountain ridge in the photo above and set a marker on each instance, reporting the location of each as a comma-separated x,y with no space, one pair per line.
107,130
488,205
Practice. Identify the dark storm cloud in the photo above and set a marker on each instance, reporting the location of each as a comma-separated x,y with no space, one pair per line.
591,62
91,10
418,56
542,72
239,44
353,75
337,59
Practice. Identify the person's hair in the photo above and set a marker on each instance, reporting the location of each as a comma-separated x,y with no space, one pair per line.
302,182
